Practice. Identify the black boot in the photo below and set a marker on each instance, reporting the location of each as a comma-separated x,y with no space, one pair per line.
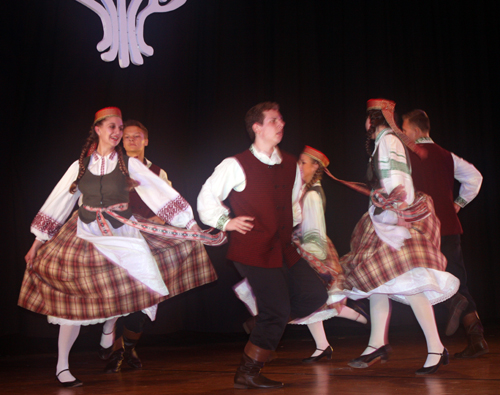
116,359
130,340
456,306
474,330
248,374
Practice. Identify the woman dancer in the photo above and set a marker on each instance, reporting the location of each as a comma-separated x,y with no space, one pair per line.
395,246
99,265
320,252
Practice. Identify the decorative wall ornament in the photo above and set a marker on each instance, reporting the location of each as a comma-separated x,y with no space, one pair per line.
124,29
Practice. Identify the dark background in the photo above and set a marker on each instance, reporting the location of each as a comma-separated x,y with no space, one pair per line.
213,60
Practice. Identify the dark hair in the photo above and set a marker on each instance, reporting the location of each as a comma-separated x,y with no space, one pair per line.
376,119
88,148
420,119
256,115
132,122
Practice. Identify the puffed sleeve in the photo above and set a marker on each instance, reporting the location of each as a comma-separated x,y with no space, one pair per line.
160,197
470,180
313,226
228,175
57,207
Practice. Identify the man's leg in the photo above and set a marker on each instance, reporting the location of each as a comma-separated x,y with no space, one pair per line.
462,305
273,301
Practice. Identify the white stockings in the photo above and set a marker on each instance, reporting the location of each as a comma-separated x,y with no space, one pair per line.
67,337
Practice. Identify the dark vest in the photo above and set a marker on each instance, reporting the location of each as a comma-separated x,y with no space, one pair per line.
435,176
267,197
103,191
136,204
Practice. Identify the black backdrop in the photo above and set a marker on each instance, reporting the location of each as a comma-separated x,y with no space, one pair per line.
214,59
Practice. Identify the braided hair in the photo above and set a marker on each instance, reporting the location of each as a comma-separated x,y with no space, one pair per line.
376,119
317,176
88,148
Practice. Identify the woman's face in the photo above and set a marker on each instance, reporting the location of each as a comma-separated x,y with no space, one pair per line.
307,167
110,131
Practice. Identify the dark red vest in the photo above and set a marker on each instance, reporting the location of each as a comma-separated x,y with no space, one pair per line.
135,202
267,197
435,177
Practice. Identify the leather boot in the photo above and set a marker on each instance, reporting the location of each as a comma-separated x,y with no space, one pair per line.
248,374
116,359
130,340
474,330
456,306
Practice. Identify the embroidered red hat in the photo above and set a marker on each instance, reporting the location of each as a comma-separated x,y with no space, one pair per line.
317,155
107,112
387,108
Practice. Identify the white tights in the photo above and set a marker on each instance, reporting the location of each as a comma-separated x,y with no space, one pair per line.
108,333
318,331
67,337
380,312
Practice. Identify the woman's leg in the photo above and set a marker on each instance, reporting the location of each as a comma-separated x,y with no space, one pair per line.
380,314
108,333
318,333
67,337
351,314
424,313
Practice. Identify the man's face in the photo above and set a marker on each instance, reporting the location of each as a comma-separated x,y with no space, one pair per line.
411,130
134,141
271,130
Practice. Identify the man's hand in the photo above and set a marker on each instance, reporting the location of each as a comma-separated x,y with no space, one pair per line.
457,207
242,224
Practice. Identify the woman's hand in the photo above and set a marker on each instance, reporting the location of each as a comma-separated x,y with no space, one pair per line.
196,228
32,252
402,222
242,224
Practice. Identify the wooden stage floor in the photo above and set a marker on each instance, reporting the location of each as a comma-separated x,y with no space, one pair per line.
194,363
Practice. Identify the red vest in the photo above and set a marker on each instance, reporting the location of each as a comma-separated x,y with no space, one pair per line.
435,177
136,205
267,197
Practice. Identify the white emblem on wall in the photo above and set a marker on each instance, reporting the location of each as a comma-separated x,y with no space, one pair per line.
124,29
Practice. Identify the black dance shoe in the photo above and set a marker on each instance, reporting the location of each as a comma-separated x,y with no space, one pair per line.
69,384
380,354
327,352
444,360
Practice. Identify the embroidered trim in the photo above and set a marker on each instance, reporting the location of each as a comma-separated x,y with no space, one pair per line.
166,231
223,219
190,223
461,201
174,207
423,140
46,224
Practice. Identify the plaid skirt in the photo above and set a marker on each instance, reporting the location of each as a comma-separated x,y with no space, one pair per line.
372,262
71,279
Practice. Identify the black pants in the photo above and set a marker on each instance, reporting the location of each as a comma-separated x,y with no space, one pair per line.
133,322
282,294
452,250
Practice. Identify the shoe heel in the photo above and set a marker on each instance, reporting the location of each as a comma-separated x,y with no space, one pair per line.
446,357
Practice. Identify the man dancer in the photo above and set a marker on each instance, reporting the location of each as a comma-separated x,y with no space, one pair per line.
262,185
435,176
135,141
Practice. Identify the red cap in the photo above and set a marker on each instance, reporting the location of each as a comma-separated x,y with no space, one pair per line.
107,112
317,155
